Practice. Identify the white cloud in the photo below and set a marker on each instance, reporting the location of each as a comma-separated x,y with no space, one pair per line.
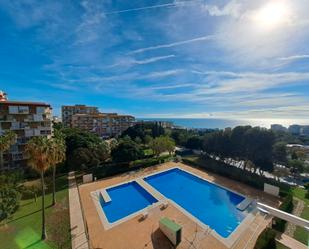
128,62
295,57
173,44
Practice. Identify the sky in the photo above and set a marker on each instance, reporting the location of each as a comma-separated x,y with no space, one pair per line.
194,59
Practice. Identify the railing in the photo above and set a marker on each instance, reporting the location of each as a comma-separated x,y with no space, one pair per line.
284,215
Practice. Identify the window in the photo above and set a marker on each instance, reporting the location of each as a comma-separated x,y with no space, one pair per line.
40,109
23,109
13,109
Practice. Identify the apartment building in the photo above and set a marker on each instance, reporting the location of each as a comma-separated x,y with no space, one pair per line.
103,124
69,111
26,119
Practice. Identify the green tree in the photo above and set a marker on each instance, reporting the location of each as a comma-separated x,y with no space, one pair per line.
279,153
9,201
148,139
296,166
80,158
138,140
101,151
6,141
162,144
39,150
194,143
57,155
127,151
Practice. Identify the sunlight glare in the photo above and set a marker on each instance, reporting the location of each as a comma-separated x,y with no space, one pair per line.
273,14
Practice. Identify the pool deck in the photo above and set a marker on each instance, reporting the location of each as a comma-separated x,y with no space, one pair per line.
136,233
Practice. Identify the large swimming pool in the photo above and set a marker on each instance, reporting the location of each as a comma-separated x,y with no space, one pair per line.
126,199
209,203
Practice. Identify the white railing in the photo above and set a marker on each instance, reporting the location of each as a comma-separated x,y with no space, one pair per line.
284,215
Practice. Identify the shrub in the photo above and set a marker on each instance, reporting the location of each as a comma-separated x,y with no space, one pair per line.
266,240
286,206
111,169
9,202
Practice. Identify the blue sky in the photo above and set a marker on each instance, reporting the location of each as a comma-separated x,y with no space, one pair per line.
215,58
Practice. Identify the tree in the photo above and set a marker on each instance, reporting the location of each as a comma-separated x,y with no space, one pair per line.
147,139
169,145
279,153
39,150
194,143
9,201
101,151
138,140
127,151
80,158
57,155
9,194
161,144
6,141
296,166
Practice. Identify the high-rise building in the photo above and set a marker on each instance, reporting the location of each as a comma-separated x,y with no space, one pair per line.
69,111
304,130
26,119
278,127
103,124
294,129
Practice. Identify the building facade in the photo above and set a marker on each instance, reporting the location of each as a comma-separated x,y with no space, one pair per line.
103,124
26,119
69,111
278,127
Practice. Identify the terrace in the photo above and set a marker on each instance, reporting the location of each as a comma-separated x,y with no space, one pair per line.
146,232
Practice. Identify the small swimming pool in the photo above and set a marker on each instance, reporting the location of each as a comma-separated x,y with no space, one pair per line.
209,203
126,199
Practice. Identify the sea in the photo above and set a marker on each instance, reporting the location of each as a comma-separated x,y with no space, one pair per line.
212,123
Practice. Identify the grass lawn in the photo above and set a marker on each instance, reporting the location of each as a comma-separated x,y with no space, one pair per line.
301,234
280,246
23,231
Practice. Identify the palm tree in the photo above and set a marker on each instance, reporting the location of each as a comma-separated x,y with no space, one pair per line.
6,141
39,149
57,156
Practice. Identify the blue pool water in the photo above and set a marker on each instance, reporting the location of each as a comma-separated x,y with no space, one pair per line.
126,199
209,203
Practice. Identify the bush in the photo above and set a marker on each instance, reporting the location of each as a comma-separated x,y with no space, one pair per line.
111,169
234,173
286,206
266,240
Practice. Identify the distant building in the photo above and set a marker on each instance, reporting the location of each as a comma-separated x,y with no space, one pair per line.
304,130
26,119
56,119
103,124
278,127
69,111
294,129
164,124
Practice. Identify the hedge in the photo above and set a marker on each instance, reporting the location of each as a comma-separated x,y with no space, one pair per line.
237,174
266,240
111,169
286,206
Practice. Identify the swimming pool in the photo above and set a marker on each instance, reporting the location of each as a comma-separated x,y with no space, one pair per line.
126,199
209,203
